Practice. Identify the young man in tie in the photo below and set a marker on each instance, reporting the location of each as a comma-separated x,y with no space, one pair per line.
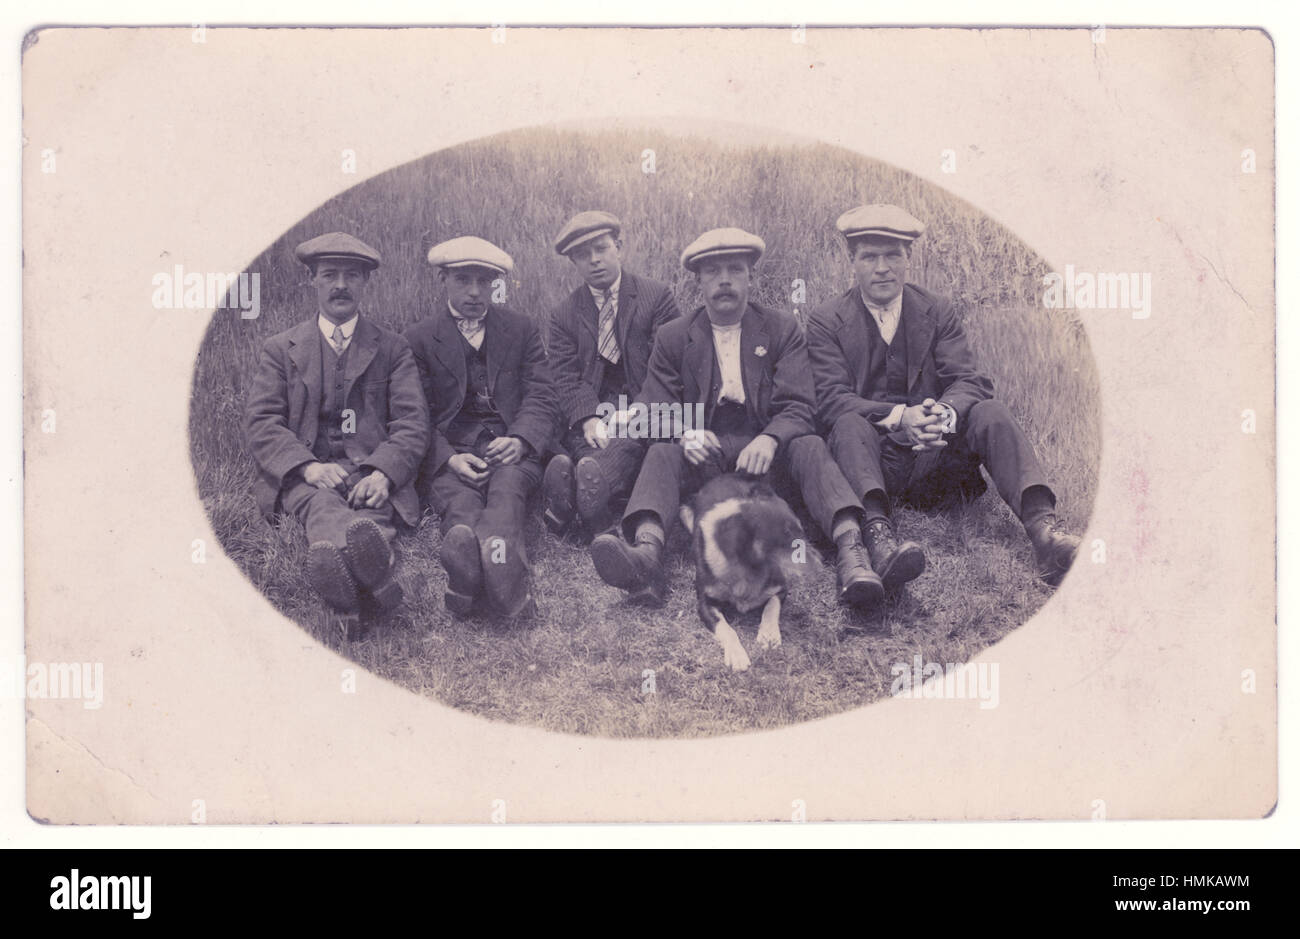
747,367
492,413
911,415
338,425
600,341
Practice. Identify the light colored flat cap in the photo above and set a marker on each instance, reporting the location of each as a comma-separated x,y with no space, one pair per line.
468,251
722,241
888,221
337,245
584,227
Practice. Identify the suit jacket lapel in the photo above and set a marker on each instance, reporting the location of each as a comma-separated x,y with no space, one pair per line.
498,339
626,310
854,338
917,324
753,335
305,353
446,346
698,364
361,352
588,313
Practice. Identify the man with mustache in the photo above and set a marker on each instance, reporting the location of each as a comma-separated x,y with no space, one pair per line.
911,415
492,412
337,425
749,367
600,342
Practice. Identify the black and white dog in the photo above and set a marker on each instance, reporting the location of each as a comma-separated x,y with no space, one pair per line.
746,540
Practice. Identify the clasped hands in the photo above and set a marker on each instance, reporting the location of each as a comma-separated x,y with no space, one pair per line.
371,491
923,424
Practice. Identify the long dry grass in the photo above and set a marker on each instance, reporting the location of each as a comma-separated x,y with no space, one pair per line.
582,666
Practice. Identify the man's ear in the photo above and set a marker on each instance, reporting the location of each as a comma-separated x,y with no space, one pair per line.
442,275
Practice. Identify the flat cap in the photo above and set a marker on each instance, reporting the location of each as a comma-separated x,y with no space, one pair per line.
583,227
337,245
468,251
888,221
721,241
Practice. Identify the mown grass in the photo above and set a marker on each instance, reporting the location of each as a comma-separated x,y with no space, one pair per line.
581,666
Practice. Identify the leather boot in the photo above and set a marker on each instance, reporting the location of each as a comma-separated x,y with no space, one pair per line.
460,559
895,563
558,507
329,574
859,585
592,492
636,568
506,579
1054,548
371,561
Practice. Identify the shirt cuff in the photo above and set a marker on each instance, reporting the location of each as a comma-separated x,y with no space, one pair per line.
891,421
950,425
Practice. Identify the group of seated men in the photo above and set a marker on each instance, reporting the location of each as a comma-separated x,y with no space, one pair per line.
355,428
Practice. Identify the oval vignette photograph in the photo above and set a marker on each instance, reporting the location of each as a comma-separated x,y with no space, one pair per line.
610,430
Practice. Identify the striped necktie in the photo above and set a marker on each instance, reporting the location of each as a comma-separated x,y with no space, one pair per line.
340,341
607,341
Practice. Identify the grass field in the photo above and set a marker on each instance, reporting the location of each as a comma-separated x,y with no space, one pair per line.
581,666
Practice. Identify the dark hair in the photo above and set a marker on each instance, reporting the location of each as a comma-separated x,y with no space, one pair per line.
853,242
366,269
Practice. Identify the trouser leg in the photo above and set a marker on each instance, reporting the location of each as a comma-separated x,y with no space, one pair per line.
326,515
508,490
455,501
820,482
658,488
993,436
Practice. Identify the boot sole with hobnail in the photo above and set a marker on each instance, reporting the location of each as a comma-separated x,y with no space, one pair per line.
592,495
557,494
368,554
330,577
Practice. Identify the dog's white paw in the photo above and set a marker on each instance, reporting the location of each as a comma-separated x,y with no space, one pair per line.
769,630
733,652
737,658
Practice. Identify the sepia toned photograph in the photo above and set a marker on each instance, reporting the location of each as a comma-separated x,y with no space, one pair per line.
649,427
536,583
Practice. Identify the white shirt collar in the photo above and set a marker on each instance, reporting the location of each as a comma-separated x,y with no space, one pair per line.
599,295
327,327
894,307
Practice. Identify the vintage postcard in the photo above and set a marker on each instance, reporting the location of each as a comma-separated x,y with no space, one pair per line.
515,424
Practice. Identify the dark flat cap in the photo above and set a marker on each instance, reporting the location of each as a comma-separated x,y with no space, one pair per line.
583,227
888,221
337,245
721,241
